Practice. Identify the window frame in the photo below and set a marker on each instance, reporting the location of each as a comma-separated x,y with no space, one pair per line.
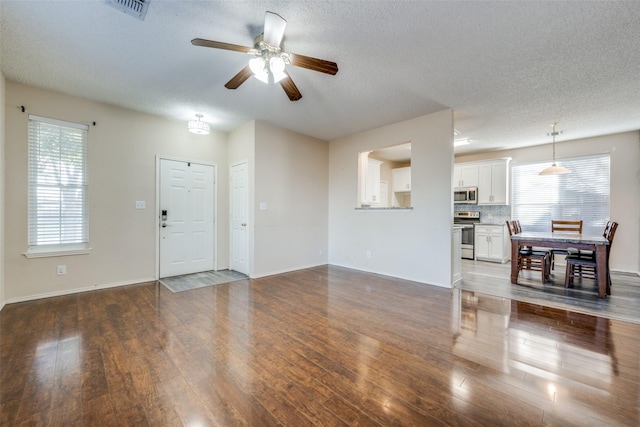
72,149
583,194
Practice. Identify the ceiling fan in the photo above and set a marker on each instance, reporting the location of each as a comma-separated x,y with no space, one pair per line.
269,58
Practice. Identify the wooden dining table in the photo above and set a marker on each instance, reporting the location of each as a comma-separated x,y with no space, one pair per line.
595,243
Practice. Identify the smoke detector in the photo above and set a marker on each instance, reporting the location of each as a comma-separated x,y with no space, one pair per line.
137,8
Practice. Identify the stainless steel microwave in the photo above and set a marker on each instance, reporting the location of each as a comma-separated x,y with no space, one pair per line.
465,195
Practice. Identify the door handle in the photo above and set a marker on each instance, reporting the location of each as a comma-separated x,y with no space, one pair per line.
164,224
244,224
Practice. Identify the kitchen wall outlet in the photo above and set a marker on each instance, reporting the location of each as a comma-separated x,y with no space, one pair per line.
368,254
140,204
62,270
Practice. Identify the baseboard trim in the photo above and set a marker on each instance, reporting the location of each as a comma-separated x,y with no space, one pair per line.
273,273
78,290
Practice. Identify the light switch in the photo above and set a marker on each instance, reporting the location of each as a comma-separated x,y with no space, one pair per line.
140,204
263,206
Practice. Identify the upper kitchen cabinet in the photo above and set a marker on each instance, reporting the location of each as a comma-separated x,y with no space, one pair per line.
493,182
369,180
465,175
401,178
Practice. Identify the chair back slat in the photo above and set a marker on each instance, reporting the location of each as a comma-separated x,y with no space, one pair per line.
514,227
566,226
610,231
517,227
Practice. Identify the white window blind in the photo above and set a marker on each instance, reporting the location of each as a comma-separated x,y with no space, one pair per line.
57,185
582,194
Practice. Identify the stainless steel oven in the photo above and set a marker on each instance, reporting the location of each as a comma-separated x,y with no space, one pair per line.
467,220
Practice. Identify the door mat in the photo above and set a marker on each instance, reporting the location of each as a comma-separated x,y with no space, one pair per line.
200,280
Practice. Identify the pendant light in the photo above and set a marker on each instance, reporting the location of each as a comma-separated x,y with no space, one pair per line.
554,169
198,126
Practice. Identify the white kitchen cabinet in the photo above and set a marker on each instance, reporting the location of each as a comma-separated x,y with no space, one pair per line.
401,178
465,175
492,243
370,190
493,182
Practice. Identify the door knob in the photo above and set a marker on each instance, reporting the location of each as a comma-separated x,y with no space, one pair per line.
244,224
164,224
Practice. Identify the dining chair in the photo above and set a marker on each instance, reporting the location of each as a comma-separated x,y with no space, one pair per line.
516,226
529,258
583,265
568,227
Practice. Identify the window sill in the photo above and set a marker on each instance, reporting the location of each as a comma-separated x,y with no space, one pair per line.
397,208
46,253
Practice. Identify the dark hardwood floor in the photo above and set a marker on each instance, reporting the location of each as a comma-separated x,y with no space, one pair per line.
323,346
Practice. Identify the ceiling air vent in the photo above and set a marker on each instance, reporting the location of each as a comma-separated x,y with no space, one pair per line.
137,8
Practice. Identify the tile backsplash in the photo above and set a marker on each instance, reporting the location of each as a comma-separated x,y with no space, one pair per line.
489,214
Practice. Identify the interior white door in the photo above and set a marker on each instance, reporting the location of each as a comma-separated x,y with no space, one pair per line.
187,217
239,213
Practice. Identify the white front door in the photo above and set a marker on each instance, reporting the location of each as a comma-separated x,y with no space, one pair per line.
187,217
239,213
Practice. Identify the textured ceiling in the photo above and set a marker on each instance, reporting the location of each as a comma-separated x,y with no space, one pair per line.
507,69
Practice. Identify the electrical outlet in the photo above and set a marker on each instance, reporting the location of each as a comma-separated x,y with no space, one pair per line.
368,254
62,270
140,204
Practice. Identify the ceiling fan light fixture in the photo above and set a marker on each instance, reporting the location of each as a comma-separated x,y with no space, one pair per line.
198,126
257,65
276,65
266,46
554,169
259,69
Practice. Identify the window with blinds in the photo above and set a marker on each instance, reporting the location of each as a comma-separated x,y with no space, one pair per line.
58,218
583,194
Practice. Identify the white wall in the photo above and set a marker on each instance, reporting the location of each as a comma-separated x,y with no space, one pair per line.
291,179
624,149
411,244
122,158
2,181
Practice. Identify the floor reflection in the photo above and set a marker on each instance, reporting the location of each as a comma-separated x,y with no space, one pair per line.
506,335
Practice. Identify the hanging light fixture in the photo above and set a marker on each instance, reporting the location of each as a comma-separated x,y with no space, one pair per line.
198,126
554,169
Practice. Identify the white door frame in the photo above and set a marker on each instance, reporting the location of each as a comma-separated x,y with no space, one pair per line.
157,207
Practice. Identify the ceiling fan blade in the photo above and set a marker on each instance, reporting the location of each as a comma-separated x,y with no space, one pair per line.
290,88
314,64
220,45
274,25
239,78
